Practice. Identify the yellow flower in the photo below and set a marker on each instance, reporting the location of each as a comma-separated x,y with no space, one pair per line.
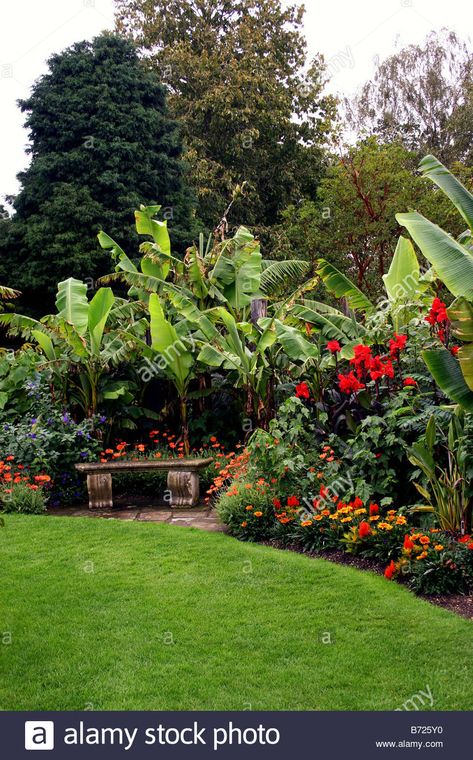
306,523
373,518
438,547
385,526
361,511
349,518
333,517
422,556
326,512
401,521
318,517
391,511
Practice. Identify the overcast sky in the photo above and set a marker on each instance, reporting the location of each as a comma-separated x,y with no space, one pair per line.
350,33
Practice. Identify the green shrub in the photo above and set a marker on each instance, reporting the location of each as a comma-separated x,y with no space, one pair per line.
247,512
23,499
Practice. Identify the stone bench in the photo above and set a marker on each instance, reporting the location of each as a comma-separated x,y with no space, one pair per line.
183,479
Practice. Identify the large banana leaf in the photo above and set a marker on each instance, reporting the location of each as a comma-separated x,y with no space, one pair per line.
166,341
279,273
147,225
294,344
333,324
460,313
448,375
72,304
452,262
7,293
451,186
402,280
341,287
99,310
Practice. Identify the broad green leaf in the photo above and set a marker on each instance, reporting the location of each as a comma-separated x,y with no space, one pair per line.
448,375
146,225
465,357
341,287
402,280
72,304
294,344
451,261
278,273
451,186
99,310
166,341
46,344
460,314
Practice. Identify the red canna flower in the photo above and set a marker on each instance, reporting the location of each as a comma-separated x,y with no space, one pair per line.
334,346
302,390
374,509
364,529
349,383
293,501
409,381
408,543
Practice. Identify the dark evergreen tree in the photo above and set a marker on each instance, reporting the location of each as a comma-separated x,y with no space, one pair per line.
101,143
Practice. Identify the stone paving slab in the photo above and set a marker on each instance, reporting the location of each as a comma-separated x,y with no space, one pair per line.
201,517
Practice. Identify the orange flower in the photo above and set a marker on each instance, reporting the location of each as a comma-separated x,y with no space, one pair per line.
244,524
424,540
258,514
249,507
390,570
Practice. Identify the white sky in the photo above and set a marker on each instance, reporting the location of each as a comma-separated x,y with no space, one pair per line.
350,34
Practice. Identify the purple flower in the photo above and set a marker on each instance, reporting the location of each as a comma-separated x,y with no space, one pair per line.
102,418
32,435
84,454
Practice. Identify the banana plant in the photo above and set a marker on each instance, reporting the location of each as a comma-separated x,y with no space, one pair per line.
82,342
175,358
446,489
452,261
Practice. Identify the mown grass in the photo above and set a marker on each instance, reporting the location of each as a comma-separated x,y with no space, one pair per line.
111,615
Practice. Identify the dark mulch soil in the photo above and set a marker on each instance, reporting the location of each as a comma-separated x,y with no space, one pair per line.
459,603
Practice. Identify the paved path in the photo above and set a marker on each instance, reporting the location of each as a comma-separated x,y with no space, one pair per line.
198,517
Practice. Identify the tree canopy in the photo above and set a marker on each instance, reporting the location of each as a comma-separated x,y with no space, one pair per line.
251,109
101,143
421,95
352,221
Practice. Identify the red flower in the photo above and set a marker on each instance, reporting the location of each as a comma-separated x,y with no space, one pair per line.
276,503
364,529
334,346
408,543
302,390
362,359
454,350
397,344
464,539
390,570
438,312
409,381
374,509
349,383
357,502
470,545
293,501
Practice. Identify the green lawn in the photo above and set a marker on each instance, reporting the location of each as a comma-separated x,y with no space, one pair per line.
111,615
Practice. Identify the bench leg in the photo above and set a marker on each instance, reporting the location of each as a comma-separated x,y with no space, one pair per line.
99,487
184,488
